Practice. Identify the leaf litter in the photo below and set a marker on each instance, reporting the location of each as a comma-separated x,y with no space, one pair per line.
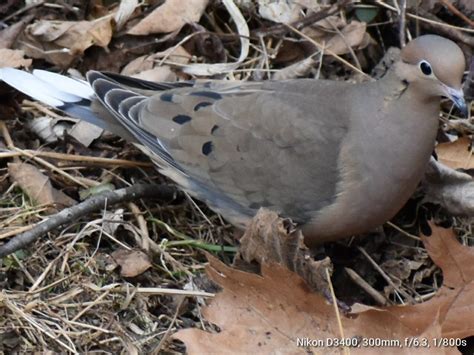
66,293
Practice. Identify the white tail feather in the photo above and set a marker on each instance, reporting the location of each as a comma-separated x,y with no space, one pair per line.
66,84
31,85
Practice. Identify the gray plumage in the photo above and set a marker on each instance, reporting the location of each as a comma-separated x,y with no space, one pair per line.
337,158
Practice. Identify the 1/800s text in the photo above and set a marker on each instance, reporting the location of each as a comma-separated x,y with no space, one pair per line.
363,342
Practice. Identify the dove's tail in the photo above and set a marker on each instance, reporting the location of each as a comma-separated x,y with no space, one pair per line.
74,97
71,96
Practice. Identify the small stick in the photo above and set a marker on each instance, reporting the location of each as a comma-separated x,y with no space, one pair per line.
458,13
90,205
52,167
75,158
345,349
403,13
385,276
379,298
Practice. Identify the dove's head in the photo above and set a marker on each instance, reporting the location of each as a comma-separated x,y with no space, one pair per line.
436,66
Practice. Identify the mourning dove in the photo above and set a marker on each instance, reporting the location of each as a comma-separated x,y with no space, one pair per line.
337,158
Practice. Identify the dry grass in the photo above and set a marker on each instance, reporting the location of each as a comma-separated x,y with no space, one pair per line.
66,294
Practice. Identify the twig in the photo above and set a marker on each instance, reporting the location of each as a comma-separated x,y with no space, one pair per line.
345,349
441,25
151,291
403,12
165,337
385,276
75,158
377,296
145,240
405,233
92,204
458,13
22,10
328,51
52,167
13,232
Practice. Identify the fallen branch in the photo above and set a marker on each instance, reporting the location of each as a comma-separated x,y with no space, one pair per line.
93,204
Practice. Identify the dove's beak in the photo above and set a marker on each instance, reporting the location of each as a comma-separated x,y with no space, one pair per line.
457,96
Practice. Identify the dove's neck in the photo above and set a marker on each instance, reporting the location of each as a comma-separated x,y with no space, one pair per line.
387,151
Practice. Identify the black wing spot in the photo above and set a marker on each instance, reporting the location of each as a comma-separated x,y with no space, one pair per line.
201,105
166,97
209,94
213,129
181,119
207,148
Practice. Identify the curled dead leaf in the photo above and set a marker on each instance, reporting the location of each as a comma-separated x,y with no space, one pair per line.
132,262
244,33
280,11
457,154
270,238
457,263
14,58
452,189
49,129
60,42
124,12
170,17
149,67
38,186
277,313
85,132
354,35
340,37
158,74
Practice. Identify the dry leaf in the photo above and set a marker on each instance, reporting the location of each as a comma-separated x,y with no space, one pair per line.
272,312
60,42
457,292
144,68
298,69
457,154
175,54
132,262
112,220
270,238
49,129
244,33
145,62
170,17
157,74
85,132
9,35
280,11
38,186
452,189
276,311
352,35
13,58
124,12
456,260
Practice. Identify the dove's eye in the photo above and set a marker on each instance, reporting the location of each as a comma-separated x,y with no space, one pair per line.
425,68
